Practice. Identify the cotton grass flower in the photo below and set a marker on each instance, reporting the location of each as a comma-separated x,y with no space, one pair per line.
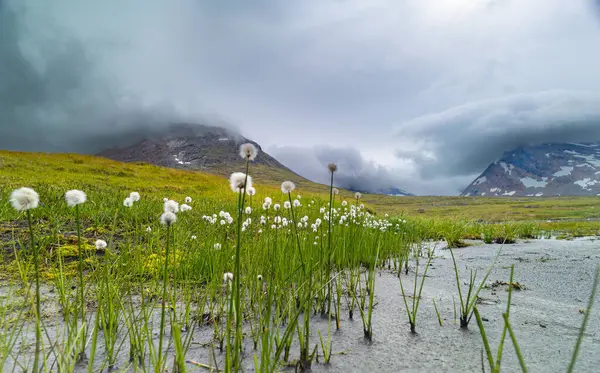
217,246
148,229
248,151
248,210
276,207
287,187
251,191
297,203
75,197
188,200
259,277
227,277
135,196
171,206
358,195
238,181
128,202
287,205
335,191
101,244
184,208
332,167
168,218
24,199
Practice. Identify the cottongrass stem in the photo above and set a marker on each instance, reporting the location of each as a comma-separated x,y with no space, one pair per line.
26,199
75,198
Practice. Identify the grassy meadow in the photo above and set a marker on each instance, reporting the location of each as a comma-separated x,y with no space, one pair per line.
115,284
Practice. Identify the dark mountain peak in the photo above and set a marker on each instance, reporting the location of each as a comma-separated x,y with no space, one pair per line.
189,146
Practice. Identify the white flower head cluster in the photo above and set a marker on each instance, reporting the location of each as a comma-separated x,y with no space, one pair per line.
248,210
297,203
248,151
276,207
210,219
287,187
246,224
168,218
287,205
239,181
135,196
188,200
251,191
75,197
101,244
171,206
185,207
128,202
24,199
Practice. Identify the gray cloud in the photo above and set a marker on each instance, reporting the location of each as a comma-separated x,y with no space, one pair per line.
355,172
78,75
463,140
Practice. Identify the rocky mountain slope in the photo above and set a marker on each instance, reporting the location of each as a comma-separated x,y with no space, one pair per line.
542,170
194,147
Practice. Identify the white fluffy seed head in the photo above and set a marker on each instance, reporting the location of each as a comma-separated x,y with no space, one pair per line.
188,200
128,202
227,277
259,277
276,206
287,187
296,203
248,151
238,181
335,191
184,208
75,197
248,210
287,205
135,196
24,199
358,195
332,167
101,244
168,218
171,206
251,191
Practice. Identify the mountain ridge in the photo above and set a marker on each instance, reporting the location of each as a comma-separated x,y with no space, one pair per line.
556,169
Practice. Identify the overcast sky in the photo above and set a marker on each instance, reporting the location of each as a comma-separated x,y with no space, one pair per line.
420,94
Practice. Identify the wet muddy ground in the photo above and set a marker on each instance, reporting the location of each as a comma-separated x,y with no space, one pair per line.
556,277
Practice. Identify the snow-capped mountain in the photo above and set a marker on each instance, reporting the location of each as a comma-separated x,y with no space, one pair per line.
542,170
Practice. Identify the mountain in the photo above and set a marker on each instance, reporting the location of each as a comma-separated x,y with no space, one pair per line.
395,192
542,170
202,148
